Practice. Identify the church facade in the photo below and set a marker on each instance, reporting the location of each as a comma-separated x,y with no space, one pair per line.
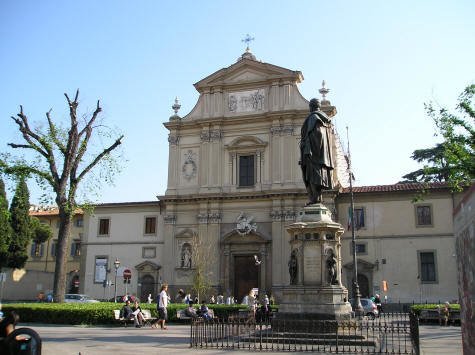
234,184
234,181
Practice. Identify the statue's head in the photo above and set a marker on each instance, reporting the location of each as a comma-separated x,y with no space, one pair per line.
314,104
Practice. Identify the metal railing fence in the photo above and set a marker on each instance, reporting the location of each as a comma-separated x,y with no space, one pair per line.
391,333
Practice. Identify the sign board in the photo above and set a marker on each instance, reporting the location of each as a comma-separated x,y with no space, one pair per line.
127,274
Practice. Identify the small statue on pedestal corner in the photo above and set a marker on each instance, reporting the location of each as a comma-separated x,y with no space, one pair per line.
331,268
293,268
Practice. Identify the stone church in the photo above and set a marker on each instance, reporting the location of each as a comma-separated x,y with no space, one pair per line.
234,184
233,176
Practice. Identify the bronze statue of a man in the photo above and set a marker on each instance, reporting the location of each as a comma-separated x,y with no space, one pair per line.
315,152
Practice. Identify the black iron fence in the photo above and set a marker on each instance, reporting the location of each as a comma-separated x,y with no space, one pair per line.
391,333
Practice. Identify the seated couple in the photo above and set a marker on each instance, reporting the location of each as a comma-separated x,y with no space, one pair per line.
191,312
134,313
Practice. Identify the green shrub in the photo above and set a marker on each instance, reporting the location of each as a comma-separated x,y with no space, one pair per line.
416,308
96,313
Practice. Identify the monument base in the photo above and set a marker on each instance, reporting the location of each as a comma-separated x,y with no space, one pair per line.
314,303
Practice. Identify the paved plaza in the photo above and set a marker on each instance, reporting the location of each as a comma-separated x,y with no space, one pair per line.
69,340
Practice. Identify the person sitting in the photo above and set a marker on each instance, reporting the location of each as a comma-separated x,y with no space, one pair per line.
7,326
180,297
188,299
204,311
190,311
137,311
128,313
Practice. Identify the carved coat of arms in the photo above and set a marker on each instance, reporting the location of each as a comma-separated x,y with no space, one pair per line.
245,225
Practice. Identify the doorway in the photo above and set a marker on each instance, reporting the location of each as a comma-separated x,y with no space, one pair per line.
364,285
246,275
148,286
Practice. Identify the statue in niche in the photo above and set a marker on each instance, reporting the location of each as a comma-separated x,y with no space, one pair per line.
293,267
331,268
186,256
315,153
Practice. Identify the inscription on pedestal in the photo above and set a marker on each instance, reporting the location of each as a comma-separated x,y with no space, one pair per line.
312,264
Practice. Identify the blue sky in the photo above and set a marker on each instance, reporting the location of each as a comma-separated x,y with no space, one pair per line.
381,60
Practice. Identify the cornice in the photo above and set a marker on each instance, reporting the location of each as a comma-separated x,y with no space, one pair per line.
235,119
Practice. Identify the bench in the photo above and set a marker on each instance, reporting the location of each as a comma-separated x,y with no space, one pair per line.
149,320
180,314
428,315
120,319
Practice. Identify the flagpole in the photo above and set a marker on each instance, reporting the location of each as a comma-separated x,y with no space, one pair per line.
357,307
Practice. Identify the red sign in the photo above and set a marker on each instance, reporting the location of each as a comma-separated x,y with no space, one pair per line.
127,274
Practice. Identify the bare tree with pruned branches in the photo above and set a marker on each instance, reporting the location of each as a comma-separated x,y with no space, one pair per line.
203,259
61,161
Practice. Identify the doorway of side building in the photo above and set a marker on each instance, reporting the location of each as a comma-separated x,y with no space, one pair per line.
363,284
246,275
148,286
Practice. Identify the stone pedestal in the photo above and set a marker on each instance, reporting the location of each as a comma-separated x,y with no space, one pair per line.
315,290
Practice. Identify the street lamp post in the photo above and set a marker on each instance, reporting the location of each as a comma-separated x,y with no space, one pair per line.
116,266
357,306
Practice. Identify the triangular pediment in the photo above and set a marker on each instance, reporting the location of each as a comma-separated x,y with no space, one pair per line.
147,265
248,71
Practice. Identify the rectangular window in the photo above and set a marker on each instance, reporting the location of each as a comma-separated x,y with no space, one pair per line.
150,225
359,217
360,248
79,222
427,267
104,226
37,249
246,170
149,252
54,248
100,269
76,248
424,215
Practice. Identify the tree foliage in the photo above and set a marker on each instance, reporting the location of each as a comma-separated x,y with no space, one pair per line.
20,223
452,160
62,160
5,229
40,232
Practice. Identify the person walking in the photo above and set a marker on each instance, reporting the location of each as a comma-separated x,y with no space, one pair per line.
162,306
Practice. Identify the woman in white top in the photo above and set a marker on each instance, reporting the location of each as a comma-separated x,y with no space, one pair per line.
162,306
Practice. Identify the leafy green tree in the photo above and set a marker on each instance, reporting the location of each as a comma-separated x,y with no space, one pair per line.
20,223
453,160
5,229
62,161
40,232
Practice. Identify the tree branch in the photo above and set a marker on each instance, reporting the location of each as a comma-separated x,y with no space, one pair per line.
43,148
99,157
54,133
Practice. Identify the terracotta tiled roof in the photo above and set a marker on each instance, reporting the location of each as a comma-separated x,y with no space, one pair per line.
410,186
50,212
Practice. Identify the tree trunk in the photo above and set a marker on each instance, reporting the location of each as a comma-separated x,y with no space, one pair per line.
64,234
